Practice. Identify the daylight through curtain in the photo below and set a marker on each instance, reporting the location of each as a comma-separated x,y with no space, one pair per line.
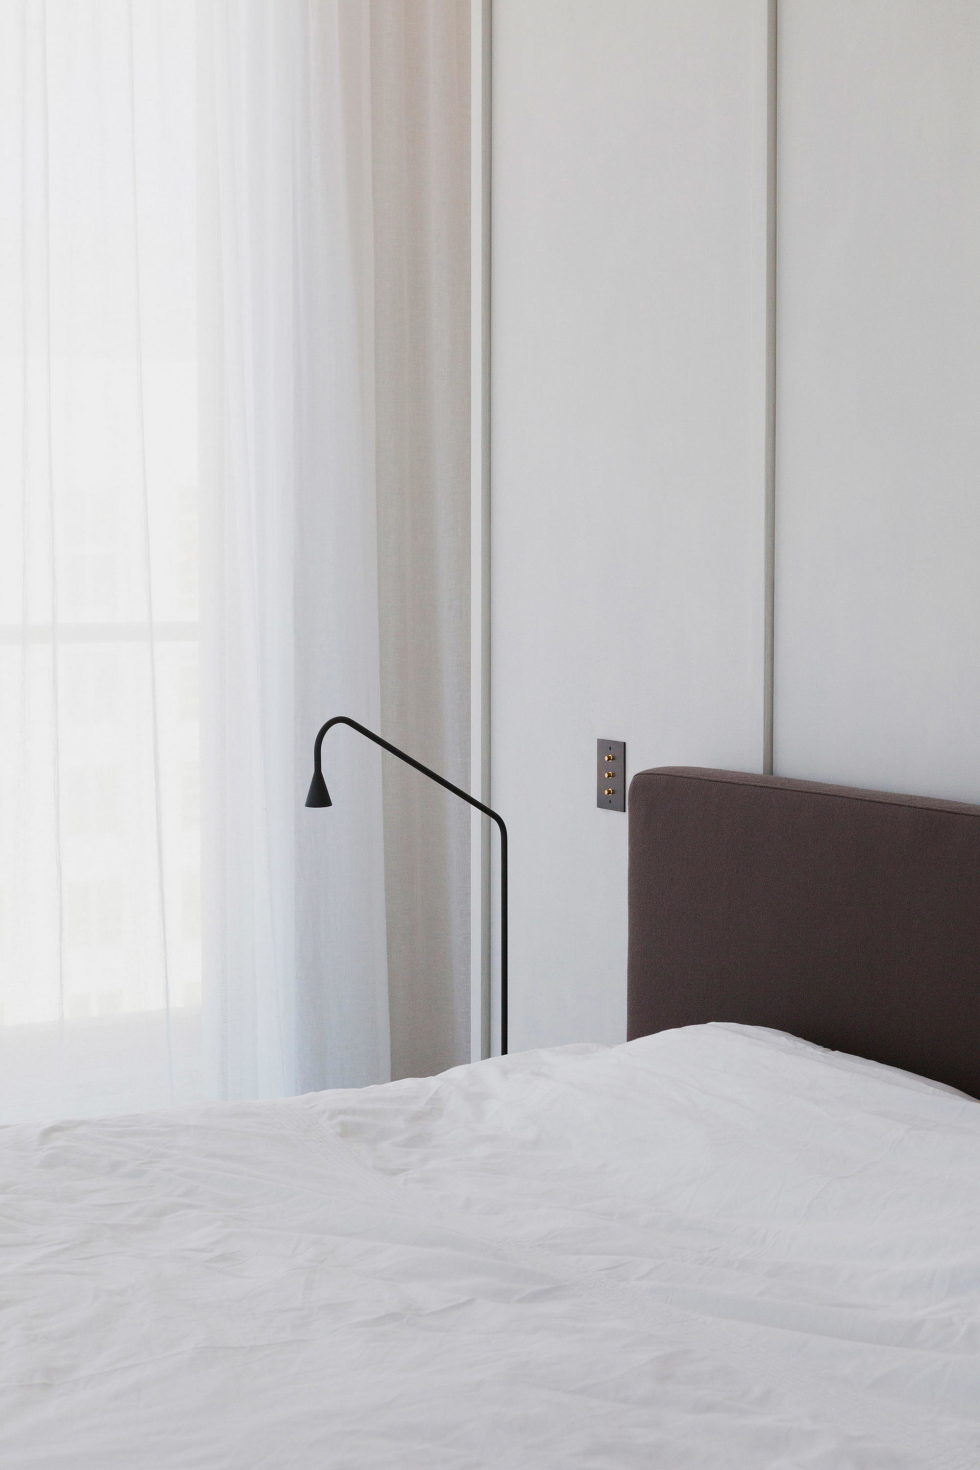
233,500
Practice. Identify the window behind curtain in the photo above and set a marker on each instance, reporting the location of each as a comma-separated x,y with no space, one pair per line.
99,742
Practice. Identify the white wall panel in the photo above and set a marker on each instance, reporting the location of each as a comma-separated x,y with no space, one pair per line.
878,392
628,464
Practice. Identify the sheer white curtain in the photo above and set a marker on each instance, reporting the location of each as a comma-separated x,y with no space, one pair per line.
234,403
99,833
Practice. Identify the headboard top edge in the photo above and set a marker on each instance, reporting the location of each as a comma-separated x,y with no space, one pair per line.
814,788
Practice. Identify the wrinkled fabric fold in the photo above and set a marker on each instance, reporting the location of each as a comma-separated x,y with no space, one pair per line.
714,1246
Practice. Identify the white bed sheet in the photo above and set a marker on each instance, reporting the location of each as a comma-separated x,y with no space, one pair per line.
715,1247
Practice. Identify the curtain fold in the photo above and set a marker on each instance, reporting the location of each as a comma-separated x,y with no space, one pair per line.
420,148
338,160
234,344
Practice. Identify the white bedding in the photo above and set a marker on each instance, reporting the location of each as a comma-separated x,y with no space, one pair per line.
713,1247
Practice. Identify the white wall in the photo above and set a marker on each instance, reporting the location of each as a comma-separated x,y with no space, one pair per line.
878,394
627,437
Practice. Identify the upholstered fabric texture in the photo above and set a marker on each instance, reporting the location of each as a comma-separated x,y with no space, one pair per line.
850,918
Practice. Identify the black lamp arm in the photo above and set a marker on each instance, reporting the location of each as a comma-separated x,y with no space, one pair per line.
472,801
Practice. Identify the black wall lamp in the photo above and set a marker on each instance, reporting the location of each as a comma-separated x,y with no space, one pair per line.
318,795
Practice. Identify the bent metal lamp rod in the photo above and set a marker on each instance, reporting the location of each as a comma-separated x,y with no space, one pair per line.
319,796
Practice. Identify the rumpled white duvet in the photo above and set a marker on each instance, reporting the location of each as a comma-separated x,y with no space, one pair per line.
713,1247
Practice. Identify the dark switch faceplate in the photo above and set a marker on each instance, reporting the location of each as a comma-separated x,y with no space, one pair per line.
611,775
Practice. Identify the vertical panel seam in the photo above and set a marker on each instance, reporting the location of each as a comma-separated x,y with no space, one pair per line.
480,710
769,574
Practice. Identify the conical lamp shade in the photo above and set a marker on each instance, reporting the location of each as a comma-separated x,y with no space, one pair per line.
318,795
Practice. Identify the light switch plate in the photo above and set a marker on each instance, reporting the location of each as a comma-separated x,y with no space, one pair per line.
611,775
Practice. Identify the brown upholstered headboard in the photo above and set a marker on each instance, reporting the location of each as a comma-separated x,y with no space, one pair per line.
850,918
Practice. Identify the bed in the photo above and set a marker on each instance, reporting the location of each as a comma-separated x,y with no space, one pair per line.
719,1244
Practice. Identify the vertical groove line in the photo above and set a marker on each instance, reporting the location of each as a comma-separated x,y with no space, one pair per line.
25,426
151,642
480,851
486,100
55,684
772,76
